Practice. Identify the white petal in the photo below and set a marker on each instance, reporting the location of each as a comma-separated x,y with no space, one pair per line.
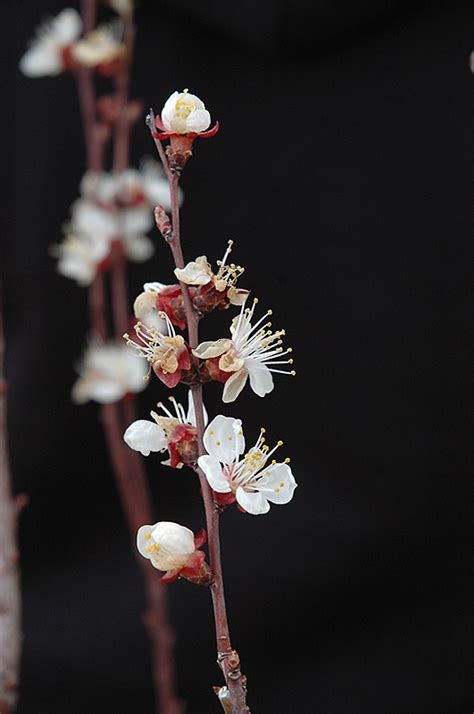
142,540
133,221
195,273
138,248
277,484
169,110
254,503
67,26
215,477
93,220
191,415
234,386
198,121
261,379
206,350
224,439
154,287
145,436
41,60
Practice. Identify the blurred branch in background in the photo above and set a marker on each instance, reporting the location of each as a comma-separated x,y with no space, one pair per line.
10,602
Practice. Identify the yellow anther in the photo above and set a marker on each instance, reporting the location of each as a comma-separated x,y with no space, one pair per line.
255,301
148,536
262,430
279,443
126,336
282,484
287,460
277,490
273,462
229,438
290,361
146,378
290,349
293,373
218,443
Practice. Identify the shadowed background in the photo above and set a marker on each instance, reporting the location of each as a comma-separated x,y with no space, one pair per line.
342,172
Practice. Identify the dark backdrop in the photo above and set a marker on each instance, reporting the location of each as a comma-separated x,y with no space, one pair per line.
342,172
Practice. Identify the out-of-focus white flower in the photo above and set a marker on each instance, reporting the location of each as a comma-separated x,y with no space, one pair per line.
107,373
101,47
185,113
123,7
253,353
79,257
253,481
48,53
199,272
174,549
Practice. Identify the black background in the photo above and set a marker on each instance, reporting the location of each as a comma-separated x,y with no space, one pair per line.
342,172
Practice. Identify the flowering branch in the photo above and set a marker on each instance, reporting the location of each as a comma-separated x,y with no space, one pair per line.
227,658
10,606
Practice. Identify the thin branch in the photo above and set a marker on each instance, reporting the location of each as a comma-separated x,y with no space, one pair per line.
227,657
10,599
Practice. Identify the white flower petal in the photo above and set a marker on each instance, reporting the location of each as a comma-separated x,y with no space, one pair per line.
224,439
252,502
143,540
176,545
145,436
261,379
196,272
234,386
279,485
214,474
138,248
191,415
199,120
67,26
154,287
132,221
206,350
41,60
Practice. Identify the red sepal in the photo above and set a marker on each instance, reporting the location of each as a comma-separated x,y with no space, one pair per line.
170,576
184,360
224,499
193,566
158,123
168,378
210,132
200,538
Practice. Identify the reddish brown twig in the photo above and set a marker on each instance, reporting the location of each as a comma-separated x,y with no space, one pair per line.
127,465
227,658
10,601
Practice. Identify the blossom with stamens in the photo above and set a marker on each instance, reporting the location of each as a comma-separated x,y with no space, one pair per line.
253,353
167,354
162,298
50,51
213,289
175,432
174,549
107,373
183,119
253,480
101,49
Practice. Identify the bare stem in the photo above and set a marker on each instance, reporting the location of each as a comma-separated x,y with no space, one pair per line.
10,600
227,658
127,466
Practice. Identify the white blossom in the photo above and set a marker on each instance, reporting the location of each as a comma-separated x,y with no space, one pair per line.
46,55
102,46
255,481
107,373
253,353
79,257
167,545
184,113
146,436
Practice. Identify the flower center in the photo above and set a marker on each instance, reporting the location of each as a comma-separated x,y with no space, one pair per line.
185,105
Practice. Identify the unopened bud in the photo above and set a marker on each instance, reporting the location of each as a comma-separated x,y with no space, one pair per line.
163,223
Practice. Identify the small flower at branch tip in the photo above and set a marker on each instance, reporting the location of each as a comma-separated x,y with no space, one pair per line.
252,480
174,549
183,119
175,432
50,51
253,353
107,373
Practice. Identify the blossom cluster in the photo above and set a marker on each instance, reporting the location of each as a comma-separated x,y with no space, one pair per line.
58,46
111,217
